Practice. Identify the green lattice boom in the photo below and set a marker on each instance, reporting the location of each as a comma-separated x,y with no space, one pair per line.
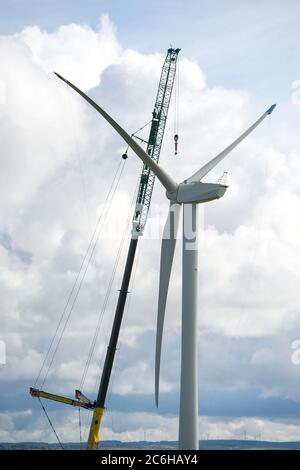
158,124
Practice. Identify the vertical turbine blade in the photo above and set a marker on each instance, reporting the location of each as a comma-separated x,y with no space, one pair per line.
161,174
212,163
166,260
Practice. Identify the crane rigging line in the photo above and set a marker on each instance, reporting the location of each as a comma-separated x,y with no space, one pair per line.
79,424
82,172
50,423
176,102
115,370
110,196
80,284
94,341
81,169
108,200
117,179
176,111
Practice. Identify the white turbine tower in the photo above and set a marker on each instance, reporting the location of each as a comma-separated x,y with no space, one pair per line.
189,193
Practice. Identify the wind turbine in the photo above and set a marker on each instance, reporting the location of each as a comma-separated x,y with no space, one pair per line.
188,193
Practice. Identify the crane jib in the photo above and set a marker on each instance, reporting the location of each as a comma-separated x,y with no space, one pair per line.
158,124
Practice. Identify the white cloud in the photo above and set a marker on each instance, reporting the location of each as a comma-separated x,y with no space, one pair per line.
74,50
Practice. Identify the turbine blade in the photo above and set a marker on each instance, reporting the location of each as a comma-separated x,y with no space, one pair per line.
212,163
166,261
161,174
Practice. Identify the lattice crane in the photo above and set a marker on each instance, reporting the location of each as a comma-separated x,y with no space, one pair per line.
154,143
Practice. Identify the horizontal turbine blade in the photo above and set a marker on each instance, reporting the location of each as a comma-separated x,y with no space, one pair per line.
161,174
212,163
166,260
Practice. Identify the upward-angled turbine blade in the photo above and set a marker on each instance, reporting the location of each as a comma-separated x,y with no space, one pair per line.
212,163
166,261
161,174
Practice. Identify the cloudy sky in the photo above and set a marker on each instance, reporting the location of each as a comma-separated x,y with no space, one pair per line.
61,173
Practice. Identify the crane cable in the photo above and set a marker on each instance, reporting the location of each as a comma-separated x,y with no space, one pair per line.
176,110
80,283
115,370
94,341
60,321
76,132
50,423
79,425
108,200
136,137
93,345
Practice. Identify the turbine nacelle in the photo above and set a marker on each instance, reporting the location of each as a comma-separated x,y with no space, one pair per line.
196,192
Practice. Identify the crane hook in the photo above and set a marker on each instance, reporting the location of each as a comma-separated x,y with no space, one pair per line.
176,137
